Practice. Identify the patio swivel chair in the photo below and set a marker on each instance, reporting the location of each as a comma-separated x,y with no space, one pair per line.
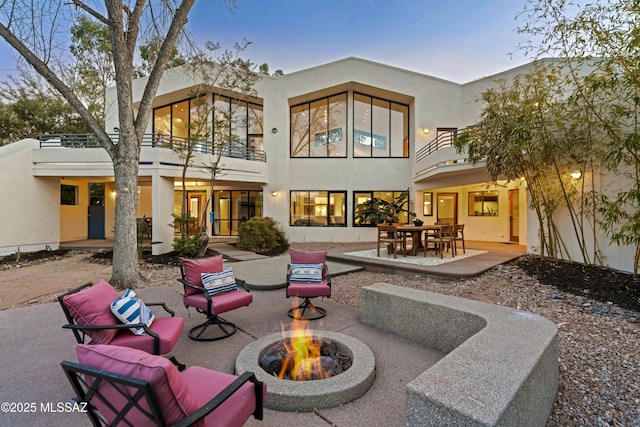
88,309
212,290
308,277
123,386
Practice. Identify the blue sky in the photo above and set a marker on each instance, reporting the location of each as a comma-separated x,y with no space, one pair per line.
458,40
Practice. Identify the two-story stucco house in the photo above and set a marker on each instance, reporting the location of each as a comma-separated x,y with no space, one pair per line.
309,147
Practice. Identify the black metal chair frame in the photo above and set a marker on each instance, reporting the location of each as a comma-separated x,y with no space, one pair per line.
137,391
79,331
298,312
225,326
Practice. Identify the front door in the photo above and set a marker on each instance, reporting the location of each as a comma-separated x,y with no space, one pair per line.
447,208
96,211
514,216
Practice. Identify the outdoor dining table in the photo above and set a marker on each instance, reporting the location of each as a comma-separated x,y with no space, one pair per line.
416,234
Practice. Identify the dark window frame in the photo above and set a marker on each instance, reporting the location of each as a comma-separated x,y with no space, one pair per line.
354,203
345,133
390,142
68,192
308,208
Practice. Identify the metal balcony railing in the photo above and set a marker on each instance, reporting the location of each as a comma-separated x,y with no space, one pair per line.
234,150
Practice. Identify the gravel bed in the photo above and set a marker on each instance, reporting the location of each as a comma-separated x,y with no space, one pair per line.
599,355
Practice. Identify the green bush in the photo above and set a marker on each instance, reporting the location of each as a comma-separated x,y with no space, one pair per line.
262,235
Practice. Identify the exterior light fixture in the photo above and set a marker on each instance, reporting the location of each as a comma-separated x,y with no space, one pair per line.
274,130
426,131
274,193
576,174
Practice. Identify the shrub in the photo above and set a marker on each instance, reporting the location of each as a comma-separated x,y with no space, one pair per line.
262,235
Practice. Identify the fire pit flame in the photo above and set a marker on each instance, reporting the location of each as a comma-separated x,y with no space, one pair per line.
303,359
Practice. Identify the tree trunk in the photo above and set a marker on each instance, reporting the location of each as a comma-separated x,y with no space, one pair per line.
125,254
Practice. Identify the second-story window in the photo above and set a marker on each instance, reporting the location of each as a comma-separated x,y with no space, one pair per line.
380,127
319,128
239,125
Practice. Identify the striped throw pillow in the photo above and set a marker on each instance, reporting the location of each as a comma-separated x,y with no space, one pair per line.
307,273
219,283
129,309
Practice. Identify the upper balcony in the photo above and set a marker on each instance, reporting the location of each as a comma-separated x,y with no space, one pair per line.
439,164
80,155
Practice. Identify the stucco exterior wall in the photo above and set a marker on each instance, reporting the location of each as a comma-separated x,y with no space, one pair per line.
30,210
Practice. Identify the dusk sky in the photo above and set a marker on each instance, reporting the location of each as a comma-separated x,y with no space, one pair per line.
457,40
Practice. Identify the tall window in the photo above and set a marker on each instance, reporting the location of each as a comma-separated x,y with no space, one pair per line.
318,208
181,119
427,204
380,127
319,128
364,196
483,203
238,124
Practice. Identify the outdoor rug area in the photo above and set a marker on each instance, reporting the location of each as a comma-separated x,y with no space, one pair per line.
430,260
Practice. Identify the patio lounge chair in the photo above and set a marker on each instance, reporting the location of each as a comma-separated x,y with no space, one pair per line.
124,386
219,293
308,277
88,311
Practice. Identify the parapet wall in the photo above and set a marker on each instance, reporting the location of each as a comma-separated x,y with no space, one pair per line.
502,364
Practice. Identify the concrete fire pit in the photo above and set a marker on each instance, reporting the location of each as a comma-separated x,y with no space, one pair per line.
303,396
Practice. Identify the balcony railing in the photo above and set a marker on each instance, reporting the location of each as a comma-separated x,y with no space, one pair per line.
442,140
233,150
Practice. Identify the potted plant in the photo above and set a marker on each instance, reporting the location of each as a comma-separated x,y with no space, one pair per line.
418,222
380,211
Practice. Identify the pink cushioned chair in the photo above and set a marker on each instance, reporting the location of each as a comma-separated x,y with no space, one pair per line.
311,289
197,296
88,311
124,386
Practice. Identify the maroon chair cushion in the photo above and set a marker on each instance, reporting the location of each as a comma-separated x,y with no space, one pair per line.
219,303
236,410
92,306
167,328
172,392
307,257
193,268
309,290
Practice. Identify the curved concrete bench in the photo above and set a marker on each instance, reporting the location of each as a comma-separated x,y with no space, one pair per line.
502,364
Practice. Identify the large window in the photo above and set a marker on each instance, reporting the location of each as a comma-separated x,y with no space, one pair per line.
427,204
239,123
380,127
360,197
318,208
319,128
483,203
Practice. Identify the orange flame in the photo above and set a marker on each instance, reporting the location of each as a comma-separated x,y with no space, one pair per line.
303,354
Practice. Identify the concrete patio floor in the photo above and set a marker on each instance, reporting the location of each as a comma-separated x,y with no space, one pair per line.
34,345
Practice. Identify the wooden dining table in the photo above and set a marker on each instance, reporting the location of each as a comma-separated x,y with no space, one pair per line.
416,234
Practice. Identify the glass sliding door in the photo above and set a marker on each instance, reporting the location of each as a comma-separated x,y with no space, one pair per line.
232,208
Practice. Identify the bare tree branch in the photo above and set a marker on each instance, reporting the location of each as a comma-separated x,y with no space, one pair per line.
91,11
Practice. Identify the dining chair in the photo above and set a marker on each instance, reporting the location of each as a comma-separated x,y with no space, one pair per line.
458,235
392,237
440,240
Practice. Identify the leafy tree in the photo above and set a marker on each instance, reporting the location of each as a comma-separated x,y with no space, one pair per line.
94,69
600,45
36,34
381,211
29,108
149,53
530,128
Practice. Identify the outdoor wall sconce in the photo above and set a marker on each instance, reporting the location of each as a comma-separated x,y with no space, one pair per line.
426,131
576,174
274,193
274,130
